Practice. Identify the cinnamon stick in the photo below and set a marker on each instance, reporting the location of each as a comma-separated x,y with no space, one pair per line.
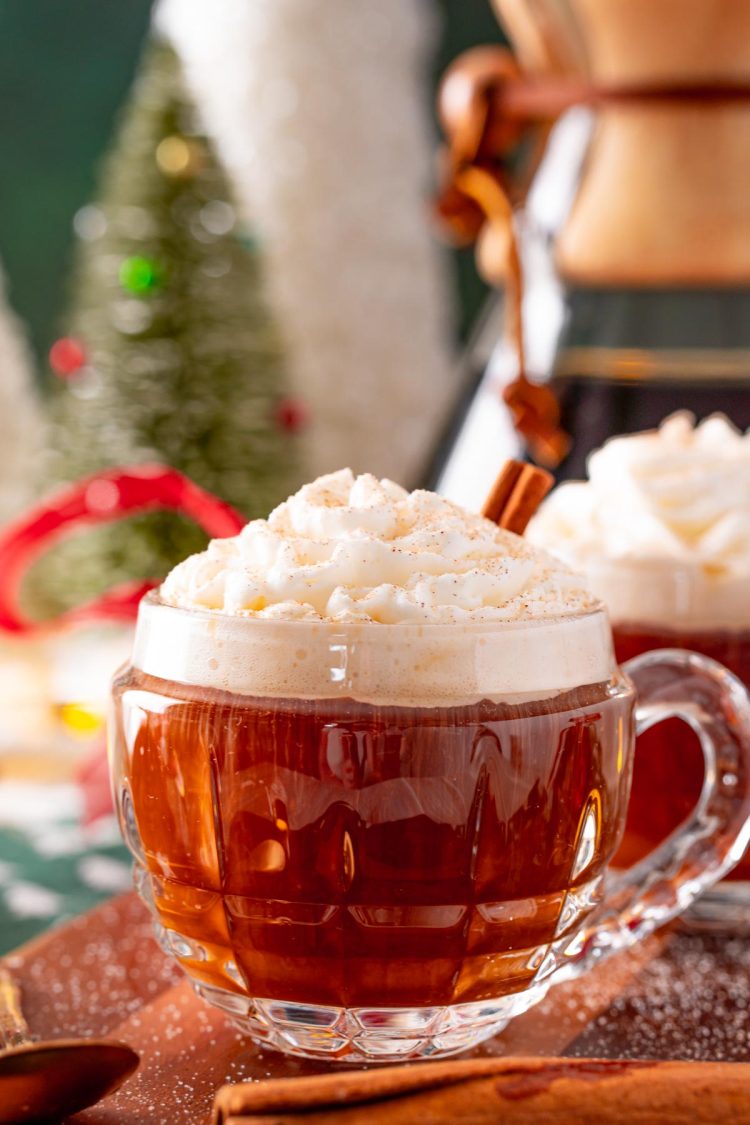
516,495
511,1090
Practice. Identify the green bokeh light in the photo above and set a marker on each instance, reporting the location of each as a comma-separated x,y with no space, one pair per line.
140,275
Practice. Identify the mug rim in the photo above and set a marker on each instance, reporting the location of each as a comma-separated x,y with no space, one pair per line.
414,664
680,595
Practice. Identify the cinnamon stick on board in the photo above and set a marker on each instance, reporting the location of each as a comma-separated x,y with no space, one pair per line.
514,1091
516,495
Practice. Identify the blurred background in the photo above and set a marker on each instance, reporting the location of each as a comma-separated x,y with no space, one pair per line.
65,74
221,252
258,240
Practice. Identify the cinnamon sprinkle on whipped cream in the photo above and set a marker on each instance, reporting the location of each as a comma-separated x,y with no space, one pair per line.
359,549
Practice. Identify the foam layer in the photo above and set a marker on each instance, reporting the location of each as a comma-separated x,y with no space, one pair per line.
665,592
662,526
348,549
404,665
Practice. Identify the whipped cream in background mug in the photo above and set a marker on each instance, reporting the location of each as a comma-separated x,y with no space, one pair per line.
662,525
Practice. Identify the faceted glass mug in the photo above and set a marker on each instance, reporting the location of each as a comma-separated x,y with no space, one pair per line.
373,842
663,603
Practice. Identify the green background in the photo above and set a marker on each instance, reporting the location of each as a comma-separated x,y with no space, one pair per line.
65,67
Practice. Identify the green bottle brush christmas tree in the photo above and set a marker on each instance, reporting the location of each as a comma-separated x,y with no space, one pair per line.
171,353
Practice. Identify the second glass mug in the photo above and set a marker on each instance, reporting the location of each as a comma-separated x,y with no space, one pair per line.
659,603
373,842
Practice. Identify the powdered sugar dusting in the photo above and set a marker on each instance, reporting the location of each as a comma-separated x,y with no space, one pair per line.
692,1003
685,995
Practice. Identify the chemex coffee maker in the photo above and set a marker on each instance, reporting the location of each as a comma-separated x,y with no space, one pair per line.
652,248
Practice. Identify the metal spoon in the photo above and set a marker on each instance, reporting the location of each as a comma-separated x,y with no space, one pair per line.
48,1081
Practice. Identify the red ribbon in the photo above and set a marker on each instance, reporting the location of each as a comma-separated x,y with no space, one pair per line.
102,498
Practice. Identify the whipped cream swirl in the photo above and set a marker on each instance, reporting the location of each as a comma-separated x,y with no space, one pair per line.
680,493
366,550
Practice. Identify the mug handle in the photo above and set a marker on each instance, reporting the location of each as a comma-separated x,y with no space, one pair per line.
672,683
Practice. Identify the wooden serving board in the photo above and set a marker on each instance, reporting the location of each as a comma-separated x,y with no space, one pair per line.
681,995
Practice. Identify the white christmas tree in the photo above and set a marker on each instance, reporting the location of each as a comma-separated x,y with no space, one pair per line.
320,110
20,414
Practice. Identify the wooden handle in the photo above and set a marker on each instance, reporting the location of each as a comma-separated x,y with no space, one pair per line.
511,1090
14,1031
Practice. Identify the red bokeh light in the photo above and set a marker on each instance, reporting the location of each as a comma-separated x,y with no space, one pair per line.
67,356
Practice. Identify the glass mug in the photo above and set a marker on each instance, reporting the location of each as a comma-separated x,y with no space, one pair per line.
657,604
372,842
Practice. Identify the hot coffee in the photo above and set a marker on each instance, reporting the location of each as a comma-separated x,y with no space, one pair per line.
372,758
668,768
348,854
